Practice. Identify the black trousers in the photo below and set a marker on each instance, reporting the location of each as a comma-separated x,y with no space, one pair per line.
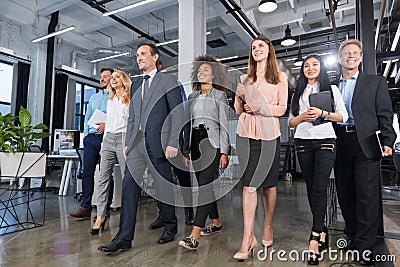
91,156
358,184
205,159
316,159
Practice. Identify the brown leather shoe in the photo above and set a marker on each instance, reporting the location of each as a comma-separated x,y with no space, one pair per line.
81,213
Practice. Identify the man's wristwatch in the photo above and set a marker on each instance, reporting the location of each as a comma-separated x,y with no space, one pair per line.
328,116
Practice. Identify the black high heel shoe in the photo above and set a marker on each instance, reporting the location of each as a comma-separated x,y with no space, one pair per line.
323,245
95,231
313,257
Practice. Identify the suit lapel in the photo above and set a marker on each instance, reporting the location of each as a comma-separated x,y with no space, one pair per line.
154,84
137,99
136,86
358,88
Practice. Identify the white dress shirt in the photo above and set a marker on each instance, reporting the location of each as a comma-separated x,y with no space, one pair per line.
151,74
198,110
117,116
306,130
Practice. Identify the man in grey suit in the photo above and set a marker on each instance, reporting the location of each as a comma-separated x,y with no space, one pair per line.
155,120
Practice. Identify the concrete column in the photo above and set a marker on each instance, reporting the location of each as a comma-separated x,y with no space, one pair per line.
37,82
366,35
192,37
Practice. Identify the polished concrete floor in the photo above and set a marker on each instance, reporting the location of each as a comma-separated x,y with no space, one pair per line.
65,241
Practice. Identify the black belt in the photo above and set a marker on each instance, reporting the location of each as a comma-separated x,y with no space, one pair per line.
347,128
96,134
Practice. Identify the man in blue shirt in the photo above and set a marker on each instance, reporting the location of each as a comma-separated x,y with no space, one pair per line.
357,165
92,146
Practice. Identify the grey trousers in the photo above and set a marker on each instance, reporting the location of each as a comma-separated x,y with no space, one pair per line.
112,153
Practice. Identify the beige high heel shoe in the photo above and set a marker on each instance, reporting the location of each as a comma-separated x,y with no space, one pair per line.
243,256
268,243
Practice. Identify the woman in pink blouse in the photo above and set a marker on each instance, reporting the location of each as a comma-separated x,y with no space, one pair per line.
261,98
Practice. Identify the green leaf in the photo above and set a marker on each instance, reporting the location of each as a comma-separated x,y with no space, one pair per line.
40,126
40,135
25,117
19,137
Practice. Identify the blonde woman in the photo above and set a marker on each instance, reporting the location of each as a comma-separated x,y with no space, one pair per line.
113,141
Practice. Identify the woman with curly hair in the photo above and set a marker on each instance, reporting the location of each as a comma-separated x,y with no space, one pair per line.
207,141
113,141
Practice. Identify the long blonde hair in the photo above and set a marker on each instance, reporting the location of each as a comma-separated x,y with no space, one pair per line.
272,70
126,82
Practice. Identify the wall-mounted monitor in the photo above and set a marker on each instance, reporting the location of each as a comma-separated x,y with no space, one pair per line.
66,141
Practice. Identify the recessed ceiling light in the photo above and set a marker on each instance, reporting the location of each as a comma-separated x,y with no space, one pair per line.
53,34
127,7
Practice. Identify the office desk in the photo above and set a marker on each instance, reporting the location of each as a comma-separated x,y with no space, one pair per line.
68,161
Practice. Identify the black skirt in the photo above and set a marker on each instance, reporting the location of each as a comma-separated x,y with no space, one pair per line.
258,161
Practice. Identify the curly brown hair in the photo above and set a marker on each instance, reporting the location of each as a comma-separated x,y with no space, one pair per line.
219,72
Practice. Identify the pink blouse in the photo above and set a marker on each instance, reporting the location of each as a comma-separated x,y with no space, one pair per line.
273,101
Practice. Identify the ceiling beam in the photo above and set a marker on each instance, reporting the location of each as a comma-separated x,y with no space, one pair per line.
387,55
17,12
53,7
103,22
217,10
237,12
275,20
127,24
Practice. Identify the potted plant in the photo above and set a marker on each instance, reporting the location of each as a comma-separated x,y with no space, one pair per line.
17,136
17,163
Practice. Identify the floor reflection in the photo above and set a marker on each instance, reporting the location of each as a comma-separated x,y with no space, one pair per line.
65,241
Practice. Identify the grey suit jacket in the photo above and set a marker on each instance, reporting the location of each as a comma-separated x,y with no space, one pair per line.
163,114
215,119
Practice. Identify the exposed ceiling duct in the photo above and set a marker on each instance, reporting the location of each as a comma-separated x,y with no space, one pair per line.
233,8
97,5
216,39
314,20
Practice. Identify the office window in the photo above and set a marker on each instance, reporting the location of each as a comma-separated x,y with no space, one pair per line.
6,79
83,94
